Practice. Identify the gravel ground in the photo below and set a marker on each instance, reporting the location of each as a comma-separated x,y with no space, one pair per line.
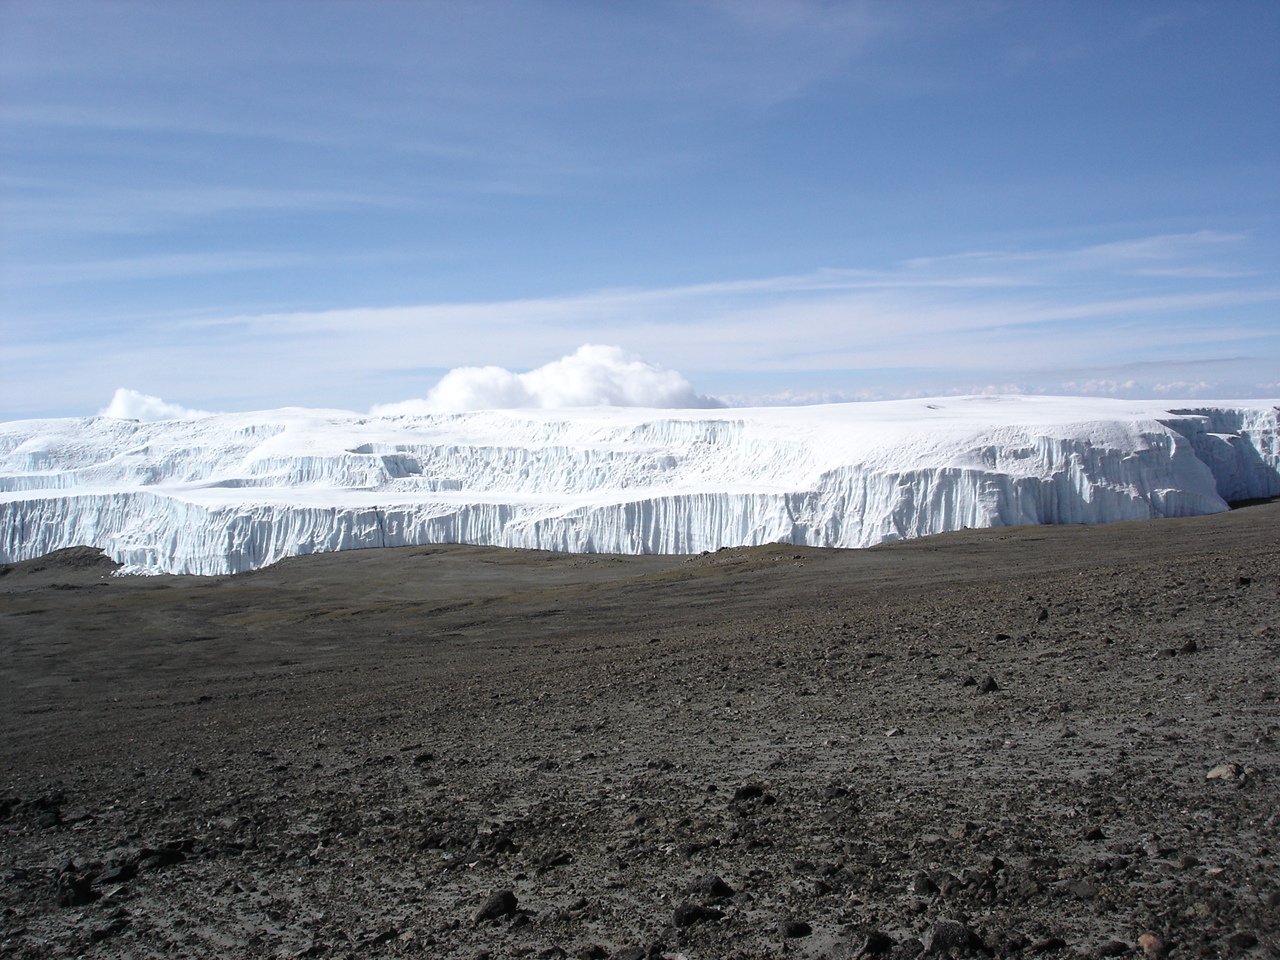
1055,742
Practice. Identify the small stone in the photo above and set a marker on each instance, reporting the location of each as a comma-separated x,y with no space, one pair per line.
1153,946
946,936
1113,948
1225,771
794,928
711,887
1095,834
75,891
1189,647
988,685
1042,615
500,904
629,953
108,930
1084,890
1045,946
922,885
868,943
1241,940
750,791
687,914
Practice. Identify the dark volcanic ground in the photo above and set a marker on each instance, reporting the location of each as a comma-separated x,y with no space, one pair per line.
1021,742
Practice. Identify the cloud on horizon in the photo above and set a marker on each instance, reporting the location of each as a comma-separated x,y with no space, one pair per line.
132,405
593,376
1061,320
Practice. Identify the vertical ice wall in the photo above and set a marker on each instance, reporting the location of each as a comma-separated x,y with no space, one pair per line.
235,492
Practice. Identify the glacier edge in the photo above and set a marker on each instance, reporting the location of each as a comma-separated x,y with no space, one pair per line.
236,492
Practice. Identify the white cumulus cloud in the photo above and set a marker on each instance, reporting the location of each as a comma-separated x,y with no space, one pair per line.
593,376
132,405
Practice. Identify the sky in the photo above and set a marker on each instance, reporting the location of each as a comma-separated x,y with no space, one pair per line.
230,206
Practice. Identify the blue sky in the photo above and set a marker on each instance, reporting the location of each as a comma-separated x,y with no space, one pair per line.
237,206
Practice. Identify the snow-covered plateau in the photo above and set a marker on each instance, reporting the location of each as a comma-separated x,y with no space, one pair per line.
233,492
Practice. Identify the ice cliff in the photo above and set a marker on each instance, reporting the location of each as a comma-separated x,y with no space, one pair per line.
233,492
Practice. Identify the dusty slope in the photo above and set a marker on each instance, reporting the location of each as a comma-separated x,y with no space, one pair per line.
345,755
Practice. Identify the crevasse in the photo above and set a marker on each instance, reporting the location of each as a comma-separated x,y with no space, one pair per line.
235,492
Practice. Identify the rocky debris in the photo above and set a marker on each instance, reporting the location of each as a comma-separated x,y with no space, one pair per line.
74,888
313,833
856,944
1153,946
118,923
948,936
711,887
794,929
501,903
1225,771
1240,940
687,914
988,685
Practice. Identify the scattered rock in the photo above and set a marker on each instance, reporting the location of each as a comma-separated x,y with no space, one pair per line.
792,929
687,914
1225,771
1153,946
1083,889
1112,948
1048,945
502,903
110,929
988,685
711,887
922,885
1240,940
866,943
945,936
75,890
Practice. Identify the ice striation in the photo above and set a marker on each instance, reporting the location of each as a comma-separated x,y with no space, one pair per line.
233,492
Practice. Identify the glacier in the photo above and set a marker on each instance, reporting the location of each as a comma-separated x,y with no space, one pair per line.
233,492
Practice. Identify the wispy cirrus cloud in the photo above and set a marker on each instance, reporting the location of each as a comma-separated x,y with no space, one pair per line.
969,322
1075,305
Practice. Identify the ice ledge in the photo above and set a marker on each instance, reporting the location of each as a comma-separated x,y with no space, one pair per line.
235,492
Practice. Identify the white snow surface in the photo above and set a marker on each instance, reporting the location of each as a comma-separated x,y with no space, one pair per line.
234,492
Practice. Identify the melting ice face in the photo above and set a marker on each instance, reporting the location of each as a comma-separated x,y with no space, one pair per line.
232,492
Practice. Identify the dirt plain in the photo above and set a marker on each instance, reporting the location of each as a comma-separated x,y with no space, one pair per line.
1056,742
